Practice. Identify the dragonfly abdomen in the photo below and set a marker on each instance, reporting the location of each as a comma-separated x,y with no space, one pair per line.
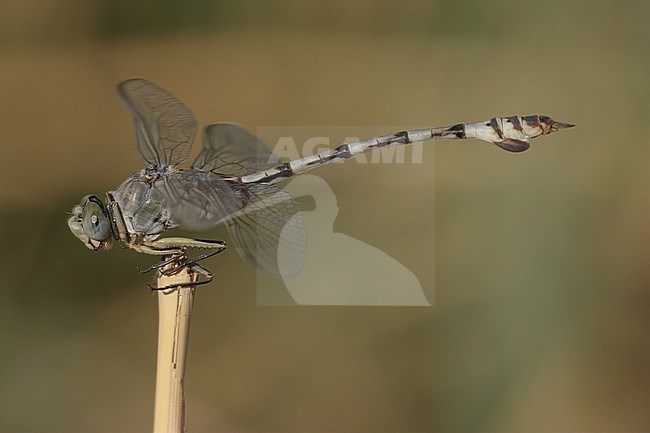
512,133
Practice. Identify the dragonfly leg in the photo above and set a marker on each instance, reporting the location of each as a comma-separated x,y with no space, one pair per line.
184,243
174,245
164,262
176,248
195,260
207,277
183,261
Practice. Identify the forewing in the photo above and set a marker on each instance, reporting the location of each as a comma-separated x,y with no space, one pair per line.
230,149
164,127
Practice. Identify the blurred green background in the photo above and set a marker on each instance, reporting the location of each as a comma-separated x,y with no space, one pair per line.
541,278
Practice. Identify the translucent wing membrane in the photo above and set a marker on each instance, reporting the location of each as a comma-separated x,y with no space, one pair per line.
270,230
256,216
198,200
164,127
230,149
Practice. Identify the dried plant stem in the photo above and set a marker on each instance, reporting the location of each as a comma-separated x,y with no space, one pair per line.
175,309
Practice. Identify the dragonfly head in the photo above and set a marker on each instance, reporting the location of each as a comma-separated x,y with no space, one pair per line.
90,223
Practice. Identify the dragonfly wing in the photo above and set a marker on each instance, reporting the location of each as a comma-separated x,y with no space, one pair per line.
164,127
270,233
198,200
265,222
230,149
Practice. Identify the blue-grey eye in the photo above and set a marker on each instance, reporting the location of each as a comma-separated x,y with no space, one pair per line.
94,220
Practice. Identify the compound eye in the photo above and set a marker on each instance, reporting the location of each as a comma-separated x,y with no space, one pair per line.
94,220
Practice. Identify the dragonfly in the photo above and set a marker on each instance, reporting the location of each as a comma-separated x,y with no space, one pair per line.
232,182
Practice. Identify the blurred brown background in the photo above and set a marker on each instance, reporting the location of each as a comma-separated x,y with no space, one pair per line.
540,320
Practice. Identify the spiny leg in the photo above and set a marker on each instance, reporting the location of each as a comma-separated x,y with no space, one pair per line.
176,247
195,260
183,260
